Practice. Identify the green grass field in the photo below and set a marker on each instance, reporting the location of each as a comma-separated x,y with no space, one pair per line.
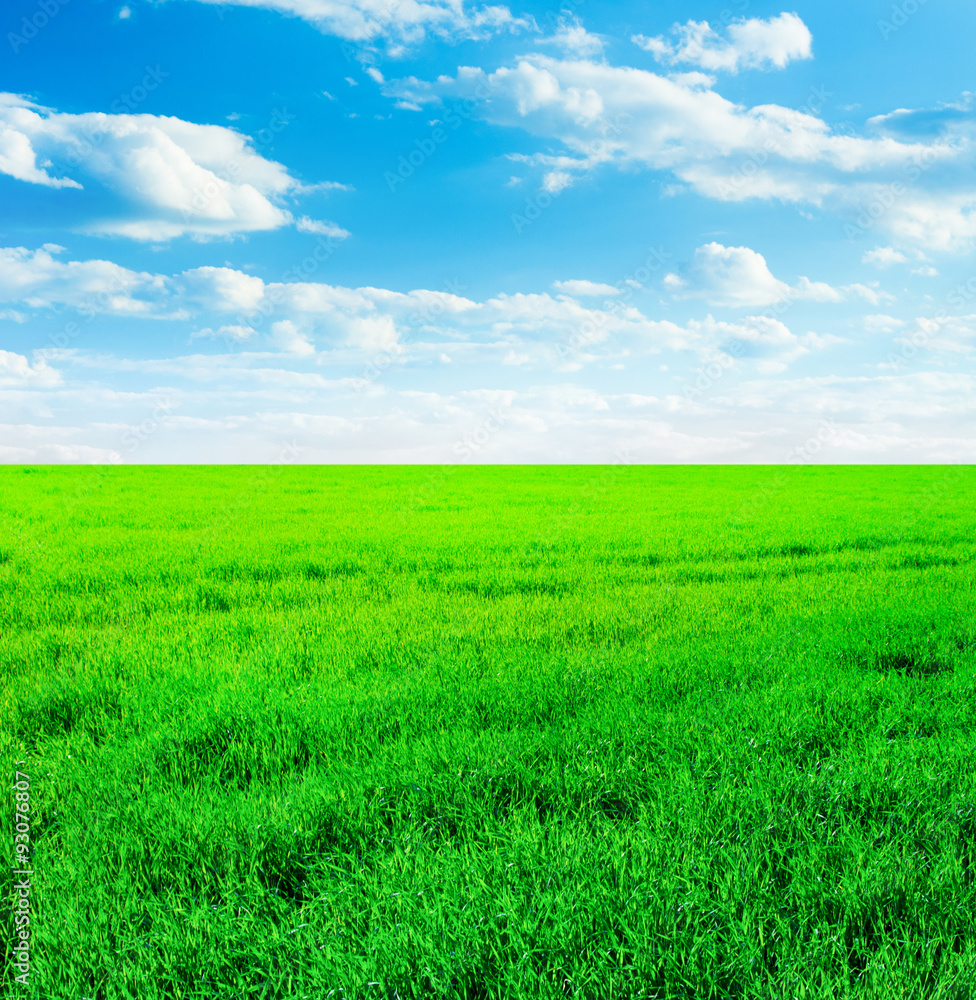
493,732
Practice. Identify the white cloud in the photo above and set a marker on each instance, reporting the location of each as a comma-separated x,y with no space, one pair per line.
763,330
948,117
534,331
947,337
820,291
575,40
223,289
607,114
170,177
19,159
585,289
728,276
869,293
58,454
36,279
765,340
307,225
890,418
556,181
248,406
397,23
16,371
882,257
926,271
301,318
943,220
881,323
292,314
751,44
906,407
740,277
288,338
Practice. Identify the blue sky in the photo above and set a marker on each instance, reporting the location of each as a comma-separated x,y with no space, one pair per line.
440,231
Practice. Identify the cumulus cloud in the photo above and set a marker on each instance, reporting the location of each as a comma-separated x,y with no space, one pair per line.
397,24
17,372
18,159
222,289
573,39
288,338
740,277
943,220
763,337
169,177
283,311
750,44
727,276
299,318
680,125
382,319
38,279
603,114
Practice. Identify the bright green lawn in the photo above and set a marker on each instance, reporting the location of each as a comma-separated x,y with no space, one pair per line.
377,732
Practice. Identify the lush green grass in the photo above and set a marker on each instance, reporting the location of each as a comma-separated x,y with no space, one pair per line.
494,732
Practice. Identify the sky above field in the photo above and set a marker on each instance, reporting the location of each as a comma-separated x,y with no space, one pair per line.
447,231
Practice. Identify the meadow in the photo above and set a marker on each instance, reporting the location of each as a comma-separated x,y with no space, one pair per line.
493,732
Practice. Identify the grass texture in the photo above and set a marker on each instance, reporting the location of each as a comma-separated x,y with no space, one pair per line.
493,732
